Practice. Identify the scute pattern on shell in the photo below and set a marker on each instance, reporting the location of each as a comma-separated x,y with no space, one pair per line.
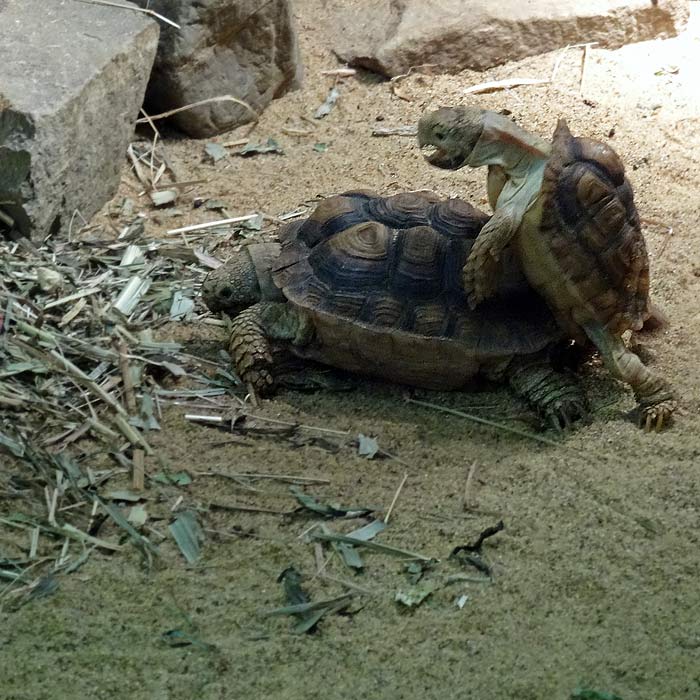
394,265
593,228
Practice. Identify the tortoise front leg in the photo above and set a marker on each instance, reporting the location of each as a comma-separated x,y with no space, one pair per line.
653,394
251,333
480,274
558,397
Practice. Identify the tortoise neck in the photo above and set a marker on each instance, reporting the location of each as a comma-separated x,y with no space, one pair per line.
505,144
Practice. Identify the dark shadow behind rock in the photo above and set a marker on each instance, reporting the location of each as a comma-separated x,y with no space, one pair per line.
391,36
243,48
72,80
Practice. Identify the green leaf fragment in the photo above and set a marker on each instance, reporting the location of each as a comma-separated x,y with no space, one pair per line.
181,478
269,146
138,515
188,535
320,147
327,510
414,596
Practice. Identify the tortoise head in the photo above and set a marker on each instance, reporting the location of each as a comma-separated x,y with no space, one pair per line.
448,135
244,280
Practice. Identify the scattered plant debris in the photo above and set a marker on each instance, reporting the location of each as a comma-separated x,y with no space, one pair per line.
308,614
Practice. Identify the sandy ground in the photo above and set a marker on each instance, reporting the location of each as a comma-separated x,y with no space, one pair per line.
595,575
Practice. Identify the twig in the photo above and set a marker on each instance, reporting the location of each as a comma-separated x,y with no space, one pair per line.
394,131
152,13
484,421
211,224
348,584
385,549
467,487
220,98
507,84
286,478
129,395
138,475
249,509
584,60
340,72
479,543
396,497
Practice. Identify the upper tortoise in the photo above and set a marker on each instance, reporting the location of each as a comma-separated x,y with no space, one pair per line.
568,211
373,285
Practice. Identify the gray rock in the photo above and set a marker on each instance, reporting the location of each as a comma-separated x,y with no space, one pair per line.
390,36
72,81
243,48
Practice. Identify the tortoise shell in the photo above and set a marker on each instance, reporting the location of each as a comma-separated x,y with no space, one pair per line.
381,280
591,222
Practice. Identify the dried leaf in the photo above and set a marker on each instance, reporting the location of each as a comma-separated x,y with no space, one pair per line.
181,306
369,531
215,204
325,109
215,152
252,149
162,197
254,223
461,601
138,515
367,446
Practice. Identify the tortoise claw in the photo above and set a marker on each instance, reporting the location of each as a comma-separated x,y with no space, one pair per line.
655,418
562,415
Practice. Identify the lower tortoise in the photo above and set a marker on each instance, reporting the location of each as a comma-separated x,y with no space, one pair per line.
374,285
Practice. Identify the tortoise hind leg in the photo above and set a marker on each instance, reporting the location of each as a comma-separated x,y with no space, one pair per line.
251,333
653,394
558,397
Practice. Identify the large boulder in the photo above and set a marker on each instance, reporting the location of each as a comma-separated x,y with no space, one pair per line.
246,49
390,36
72,82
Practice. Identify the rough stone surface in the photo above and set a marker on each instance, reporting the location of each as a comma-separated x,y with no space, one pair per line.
243,48
390,36
72,82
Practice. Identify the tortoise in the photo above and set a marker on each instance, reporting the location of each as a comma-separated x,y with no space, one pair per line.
568,210
372,285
